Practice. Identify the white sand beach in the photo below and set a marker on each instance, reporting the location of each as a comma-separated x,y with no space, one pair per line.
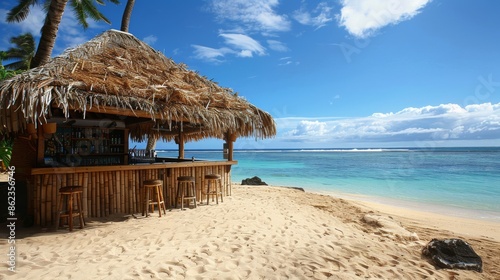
257,233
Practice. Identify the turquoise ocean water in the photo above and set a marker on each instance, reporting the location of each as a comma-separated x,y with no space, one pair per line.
456,181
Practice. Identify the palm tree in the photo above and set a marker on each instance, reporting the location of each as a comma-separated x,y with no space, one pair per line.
5,153
127,14
23,52
3,55
6,143
83,9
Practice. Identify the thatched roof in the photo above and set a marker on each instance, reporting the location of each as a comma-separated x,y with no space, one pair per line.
117,74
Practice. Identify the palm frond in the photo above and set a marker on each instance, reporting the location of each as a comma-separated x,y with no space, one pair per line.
79,12
5,151
21,11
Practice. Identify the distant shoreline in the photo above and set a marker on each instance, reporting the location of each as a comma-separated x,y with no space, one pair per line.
360,149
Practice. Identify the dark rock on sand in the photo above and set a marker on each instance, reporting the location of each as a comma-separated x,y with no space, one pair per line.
453,253
255,181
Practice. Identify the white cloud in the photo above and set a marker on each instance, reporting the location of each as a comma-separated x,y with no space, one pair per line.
310,128
259,18
69,41
244,44
33,23
71,33
150,40
210,54
363,17
320,17
277,46
287,61
238,44
256,15
430,123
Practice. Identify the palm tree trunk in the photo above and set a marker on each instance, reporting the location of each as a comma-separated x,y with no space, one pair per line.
127,14
49,32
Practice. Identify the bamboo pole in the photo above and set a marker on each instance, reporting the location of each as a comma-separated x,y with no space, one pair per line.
44,200
85,193
101,195
112,193
135,176
36,197
118,193
129,191
201,171
98,195
50,189
164,185
56,196
124,191
140,178
106,194
94,195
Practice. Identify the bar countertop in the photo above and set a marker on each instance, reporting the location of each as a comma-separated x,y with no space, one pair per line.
144,166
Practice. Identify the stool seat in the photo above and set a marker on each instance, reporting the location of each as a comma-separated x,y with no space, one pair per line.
154,188
153,182
186,179
186,190
69,194
212,176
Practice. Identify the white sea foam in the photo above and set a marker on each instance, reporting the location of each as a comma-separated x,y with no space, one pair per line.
353,150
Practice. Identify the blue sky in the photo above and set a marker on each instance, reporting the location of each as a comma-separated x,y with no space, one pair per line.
343,73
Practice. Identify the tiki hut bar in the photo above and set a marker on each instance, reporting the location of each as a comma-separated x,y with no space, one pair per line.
71,120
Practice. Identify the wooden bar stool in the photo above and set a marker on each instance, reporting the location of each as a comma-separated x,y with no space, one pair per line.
153,188
216,190
186,190
68,195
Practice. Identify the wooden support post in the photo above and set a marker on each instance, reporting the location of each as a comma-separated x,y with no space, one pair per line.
179,140
40,149
230,146
230,138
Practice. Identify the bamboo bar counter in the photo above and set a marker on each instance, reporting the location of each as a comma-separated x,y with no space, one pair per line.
115,189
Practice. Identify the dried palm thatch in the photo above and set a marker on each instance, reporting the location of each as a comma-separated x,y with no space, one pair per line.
117,74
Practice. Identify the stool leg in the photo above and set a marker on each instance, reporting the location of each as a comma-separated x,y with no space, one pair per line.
59,210
182,195
151,203
79,203
208,192
162,200
188,193
216,191
221,192
70,213
146,205
177,194
142,197
158,200
194,194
